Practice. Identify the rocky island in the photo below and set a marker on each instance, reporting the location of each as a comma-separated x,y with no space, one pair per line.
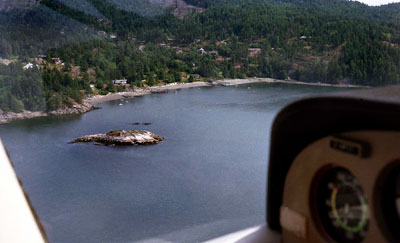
122,137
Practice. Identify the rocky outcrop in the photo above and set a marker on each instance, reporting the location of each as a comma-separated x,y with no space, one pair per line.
179,7
6,117
122,137
75,109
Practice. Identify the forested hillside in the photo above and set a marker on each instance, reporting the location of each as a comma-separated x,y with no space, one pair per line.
332,41
31,31
84,6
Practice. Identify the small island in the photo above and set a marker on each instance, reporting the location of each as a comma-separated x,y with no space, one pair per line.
122,137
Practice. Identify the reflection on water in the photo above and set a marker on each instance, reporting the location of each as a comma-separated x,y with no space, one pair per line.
206,179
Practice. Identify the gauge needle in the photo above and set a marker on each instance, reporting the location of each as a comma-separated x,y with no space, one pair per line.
346,208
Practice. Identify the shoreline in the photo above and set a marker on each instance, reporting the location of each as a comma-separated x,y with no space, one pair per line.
97,99
233,82
90,103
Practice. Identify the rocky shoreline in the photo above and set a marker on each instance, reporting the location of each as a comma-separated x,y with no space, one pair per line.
7,117
90,102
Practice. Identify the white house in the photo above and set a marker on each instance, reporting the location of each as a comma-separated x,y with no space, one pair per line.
202,51
303,37
120,81
28,66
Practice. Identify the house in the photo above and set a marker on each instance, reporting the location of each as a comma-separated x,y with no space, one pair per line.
184,75
113,36
195,75
75,71
39,61
92,86
42,56
103,21
6,62
221,43
142,47
202,51
254,52
303,37
101,33
120,81
221,59
57,60
91,71
214,53
238,65
28,66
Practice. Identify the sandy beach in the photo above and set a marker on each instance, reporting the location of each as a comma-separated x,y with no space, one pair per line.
145,91
226,82
233,82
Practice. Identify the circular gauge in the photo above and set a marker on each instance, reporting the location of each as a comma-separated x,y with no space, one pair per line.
342,206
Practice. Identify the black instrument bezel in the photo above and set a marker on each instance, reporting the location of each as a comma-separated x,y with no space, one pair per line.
386,213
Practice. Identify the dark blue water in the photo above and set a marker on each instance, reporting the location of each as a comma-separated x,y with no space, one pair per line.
206,179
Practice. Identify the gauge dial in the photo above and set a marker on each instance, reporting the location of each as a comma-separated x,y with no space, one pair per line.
342,206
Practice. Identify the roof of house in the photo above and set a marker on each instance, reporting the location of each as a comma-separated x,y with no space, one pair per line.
120,81
27,66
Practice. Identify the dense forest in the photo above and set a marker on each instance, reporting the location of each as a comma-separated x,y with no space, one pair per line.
331,41
20,90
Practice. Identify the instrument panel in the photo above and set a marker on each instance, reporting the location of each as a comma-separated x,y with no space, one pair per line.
344,188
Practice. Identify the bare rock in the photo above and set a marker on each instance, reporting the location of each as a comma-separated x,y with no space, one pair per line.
6,117
75,109
122,137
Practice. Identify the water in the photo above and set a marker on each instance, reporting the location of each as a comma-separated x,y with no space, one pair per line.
206,179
